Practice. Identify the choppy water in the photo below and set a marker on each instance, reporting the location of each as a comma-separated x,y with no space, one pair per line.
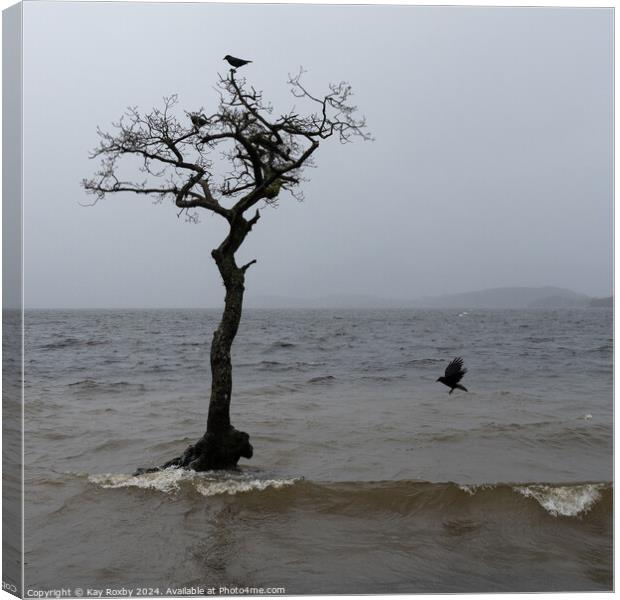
367,476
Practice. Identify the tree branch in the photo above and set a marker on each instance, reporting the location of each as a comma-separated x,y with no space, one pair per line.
266,155
253,220
245,267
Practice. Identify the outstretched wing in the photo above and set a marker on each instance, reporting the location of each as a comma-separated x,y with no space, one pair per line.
455,371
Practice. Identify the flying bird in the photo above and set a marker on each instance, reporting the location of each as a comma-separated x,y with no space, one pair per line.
454,373
235,62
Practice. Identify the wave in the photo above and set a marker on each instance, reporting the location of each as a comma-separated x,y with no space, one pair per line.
281,345
582,431
513,500
112,386
382,378
604,349
422,361
210,483
85,383
71,343
322,379
566,501
277,366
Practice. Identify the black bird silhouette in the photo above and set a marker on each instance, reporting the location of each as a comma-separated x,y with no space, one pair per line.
235,62
454,373
198,120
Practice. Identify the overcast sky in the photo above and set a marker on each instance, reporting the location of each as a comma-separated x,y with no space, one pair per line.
492,164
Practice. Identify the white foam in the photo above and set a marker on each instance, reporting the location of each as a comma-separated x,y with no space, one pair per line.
565,501
232,486
472,488
207,484
165,481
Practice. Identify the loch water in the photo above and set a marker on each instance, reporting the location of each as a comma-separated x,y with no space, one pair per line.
367,476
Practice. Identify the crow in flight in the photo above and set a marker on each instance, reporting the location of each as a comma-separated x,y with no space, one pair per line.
454,373
235,62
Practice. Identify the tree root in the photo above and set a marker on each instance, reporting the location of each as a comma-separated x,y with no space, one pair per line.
211,452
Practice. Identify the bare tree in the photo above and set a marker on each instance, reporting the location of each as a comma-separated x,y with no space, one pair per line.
237,159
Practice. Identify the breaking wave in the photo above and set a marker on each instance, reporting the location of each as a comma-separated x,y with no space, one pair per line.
174,480
565,501
367,497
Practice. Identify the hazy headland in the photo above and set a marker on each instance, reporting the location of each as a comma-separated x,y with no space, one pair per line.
494,298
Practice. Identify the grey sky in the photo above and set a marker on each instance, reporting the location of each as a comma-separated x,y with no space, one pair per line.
492,163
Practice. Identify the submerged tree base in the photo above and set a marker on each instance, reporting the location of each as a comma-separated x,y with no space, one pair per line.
211,452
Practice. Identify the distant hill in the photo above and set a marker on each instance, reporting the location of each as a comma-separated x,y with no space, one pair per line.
602,302
505,297
510,297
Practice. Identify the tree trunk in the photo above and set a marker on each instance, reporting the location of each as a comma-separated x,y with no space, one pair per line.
222,445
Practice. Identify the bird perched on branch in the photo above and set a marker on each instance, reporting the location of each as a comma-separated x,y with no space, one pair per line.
235,62
454,373
198,120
